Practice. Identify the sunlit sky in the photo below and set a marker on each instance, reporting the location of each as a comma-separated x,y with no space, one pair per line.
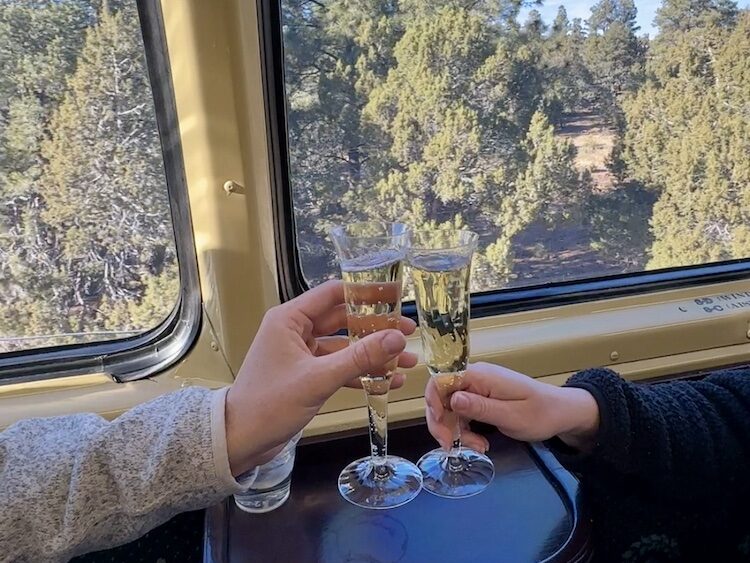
582,9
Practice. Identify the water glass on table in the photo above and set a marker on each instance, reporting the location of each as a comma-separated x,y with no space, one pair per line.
272,485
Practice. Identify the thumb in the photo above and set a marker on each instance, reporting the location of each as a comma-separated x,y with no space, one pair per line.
366,356
477,407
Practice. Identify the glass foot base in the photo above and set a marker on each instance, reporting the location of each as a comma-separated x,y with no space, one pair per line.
460,476
380,486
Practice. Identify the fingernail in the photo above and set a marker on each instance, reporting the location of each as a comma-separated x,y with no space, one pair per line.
459,401
393,342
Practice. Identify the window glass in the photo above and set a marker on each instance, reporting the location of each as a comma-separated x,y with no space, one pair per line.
87,250
579,139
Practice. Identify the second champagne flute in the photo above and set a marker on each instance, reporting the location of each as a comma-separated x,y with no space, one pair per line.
440,264
371,255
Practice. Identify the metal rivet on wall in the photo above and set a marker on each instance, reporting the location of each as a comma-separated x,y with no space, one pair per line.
232,187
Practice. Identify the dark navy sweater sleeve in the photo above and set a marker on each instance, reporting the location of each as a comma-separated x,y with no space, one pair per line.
689,440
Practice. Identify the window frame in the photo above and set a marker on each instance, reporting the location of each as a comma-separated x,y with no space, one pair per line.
486,303
142,355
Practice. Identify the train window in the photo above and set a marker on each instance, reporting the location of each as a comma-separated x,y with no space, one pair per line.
87,246
591,145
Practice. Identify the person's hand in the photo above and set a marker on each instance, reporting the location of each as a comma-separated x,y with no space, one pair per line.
519,406
292,367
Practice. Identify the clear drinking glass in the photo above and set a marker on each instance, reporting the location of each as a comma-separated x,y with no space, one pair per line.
272,484
440,263
371,257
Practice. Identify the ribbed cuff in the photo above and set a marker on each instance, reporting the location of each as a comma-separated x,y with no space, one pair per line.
219,445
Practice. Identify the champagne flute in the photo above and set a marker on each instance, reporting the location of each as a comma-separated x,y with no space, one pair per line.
371,256
440,262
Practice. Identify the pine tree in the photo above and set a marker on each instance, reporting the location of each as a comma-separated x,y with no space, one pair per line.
457,107
688,137
89,214
336,53
39,44
614,55
685,15
105,194
420,111
567,80
547,189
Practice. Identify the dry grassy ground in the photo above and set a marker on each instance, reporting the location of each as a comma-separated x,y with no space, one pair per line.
593,140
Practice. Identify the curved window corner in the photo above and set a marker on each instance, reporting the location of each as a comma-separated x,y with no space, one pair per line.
97,264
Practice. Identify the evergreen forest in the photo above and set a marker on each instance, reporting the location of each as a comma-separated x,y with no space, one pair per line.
575,148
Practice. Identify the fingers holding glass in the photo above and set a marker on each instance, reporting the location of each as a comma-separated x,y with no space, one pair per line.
330,344
443,433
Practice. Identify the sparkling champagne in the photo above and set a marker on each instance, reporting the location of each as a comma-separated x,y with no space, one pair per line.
441,283
372,290
372,287
371,255
441,270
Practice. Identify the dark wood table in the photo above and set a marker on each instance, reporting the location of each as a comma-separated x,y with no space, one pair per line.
531,512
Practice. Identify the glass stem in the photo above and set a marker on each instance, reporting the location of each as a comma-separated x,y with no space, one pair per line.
377,413
456,446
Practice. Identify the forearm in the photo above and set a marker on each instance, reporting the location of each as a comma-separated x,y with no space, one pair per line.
69,485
